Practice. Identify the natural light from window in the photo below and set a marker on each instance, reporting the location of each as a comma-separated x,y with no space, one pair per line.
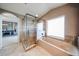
39,30
55,27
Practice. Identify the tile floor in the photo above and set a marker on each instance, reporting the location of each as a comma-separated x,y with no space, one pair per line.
17,50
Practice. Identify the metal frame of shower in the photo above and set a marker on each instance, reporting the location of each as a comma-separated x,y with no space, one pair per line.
26,19
27,32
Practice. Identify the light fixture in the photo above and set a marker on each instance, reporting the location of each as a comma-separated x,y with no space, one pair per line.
36,15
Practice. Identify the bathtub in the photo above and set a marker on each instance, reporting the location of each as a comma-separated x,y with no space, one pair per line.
58,48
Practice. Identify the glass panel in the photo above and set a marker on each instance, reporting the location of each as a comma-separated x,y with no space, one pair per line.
40,30
29,31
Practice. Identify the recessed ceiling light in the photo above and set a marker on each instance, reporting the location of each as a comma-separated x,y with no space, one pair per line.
36,15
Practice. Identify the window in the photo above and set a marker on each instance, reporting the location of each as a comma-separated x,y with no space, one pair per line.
55,27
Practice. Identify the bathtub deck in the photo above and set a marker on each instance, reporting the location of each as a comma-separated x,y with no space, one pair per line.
58,48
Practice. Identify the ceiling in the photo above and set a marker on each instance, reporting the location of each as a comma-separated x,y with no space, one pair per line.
38,9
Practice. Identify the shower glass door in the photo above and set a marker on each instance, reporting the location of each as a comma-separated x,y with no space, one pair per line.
30,31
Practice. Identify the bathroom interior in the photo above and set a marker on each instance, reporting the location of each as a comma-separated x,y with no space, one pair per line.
39,29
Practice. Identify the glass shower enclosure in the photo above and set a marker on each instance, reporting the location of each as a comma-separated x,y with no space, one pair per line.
29,30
